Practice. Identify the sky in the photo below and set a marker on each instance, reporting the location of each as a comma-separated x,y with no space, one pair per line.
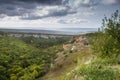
55,14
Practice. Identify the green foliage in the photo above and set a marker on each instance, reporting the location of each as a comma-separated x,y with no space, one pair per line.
2,33
112,29
106,46
97,72
20,60
107,42
103,45
44,43
105,61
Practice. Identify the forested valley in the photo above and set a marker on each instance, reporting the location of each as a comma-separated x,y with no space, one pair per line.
27,58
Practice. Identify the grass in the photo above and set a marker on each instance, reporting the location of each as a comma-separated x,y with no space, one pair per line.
66,64
99,69
97,72
84,65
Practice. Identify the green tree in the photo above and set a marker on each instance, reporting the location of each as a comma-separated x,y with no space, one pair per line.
112,30
106,42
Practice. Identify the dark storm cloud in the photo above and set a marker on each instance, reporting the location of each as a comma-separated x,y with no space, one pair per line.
43,1
32,1
16,9
28,9
21,7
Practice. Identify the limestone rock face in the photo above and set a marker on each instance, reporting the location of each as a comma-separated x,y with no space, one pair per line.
76,43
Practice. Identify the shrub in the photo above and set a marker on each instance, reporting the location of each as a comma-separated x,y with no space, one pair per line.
107,42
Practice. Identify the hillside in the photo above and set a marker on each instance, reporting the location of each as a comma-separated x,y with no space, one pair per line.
26,58
30,58
77,62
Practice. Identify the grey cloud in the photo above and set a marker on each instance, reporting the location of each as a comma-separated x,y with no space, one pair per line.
27,9
81,3
15,10
73,21
51,11
43,1
31,1
110,2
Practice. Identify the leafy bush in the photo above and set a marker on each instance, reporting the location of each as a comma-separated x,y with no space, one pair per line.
107,42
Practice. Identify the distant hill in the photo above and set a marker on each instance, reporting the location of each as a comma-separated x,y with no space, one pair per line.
65,31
